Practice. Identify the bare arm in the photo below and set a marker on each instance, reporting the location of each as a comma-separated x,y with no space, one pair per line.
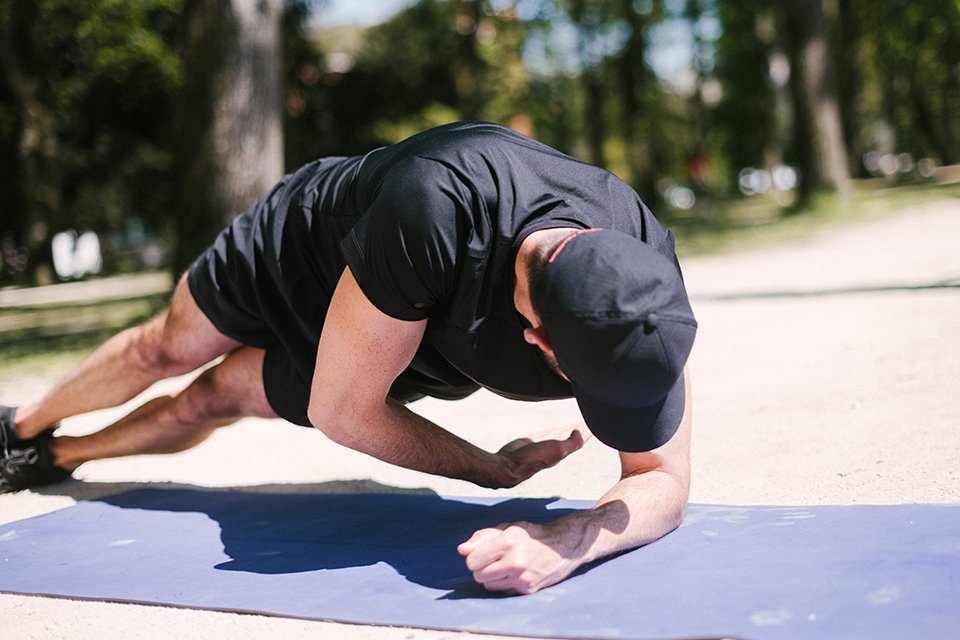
361,352
647,503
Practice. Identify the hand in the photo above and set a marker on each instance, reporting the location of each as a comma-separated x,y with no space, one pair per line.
526,456
519,558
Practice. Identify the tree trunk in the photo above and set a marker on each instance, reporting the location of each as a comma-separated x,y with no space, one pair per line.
633,78
951,89
818,133
230,146
697,161
588,17
596,126
849,81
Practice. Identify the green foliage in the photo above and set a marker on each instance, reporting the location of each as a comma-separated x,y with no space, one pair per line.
746,117
120,109
119,39
911,60
401,77
106,74
434,62
431,115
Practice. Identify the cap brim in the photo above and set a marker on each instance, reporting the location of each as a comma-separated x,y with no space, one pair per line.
634,429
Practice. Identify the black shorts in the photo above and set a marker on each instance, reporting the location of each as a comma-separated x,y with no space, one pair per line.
226,282
251,295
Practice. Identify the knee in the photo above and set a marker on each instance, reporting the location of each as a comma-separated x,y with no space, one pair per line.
207,399
150,351
227,391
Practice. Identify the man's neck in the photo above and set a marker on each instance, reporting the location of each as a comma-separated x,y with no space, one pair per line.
529,248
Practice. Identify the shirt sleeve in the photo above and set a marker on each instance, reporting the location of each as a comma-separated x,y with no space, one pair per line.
403,250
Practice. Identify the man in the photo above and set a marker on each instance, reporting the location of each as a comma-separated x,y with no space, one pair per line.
466,256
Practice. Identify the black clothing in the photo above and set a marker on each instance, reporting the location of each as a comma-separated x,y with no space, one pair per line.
430,228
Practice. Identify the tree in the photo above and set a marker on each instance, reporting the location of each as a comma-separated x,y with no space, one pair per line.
912,58
592,18
849,47
637,82
34,192
85,92
818,139
230,147
746,116
470,69
400,81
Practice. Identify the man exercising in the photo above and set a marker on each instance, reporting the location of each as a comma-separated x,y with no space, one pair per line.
467,256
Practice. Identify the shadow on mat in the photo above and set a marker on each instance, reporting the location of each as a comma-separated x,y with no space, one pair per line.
417,535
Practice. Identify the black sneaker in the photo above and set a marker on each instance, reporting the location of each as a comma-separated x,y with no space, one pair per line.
28,463
8,433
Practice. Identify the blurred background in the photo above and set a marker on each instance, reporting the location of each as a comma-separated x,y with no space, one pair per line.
131,130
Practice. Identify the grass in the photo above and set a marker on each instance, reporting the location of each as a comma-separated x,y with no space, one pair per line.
31,351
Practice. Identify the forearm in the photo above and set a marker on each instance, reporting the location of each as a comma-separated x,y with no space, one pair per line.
391,432
525,557
646,504
636,511
361,352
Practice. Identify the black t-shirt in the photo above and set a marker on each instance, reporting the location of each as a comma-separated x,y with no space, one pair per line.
430,228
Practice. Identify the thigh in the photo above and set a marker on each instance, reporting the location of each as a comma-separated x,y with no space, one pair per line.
185,335
235,282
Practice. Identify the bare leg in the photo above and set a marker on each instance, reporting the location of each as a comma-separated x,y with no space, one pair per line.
177,341
220,396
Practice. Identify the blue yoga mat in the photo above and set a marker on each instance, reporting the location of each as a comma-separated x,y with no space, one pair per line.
871,572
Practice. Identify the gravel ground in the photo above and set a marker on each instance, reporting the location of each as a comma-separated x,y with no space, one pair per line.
826,371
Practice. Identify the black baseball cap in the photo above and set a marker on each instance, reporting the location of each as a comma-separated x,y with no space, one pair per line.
618,319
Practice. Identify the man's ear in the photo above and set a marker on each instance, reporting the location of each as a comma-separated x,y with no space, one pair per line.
537,336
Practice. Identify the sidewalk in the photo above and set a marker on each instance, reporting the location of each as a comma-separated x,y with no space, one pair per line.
121,287
826,370
73,308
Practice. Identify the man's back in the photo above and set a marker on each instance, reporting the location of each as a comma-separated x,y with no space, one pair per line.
430,227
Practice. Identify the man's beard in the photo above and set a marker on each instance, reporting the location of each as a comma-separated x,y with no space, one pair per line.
551,361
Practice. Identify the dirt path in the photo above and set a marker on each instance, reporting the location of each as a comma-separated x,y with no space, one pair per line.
828,368
825,371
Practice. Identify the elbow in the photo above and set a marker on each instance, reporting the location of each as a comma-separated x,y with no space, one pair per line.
675,519
331,423
345,421
678,504
681,496
673,502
